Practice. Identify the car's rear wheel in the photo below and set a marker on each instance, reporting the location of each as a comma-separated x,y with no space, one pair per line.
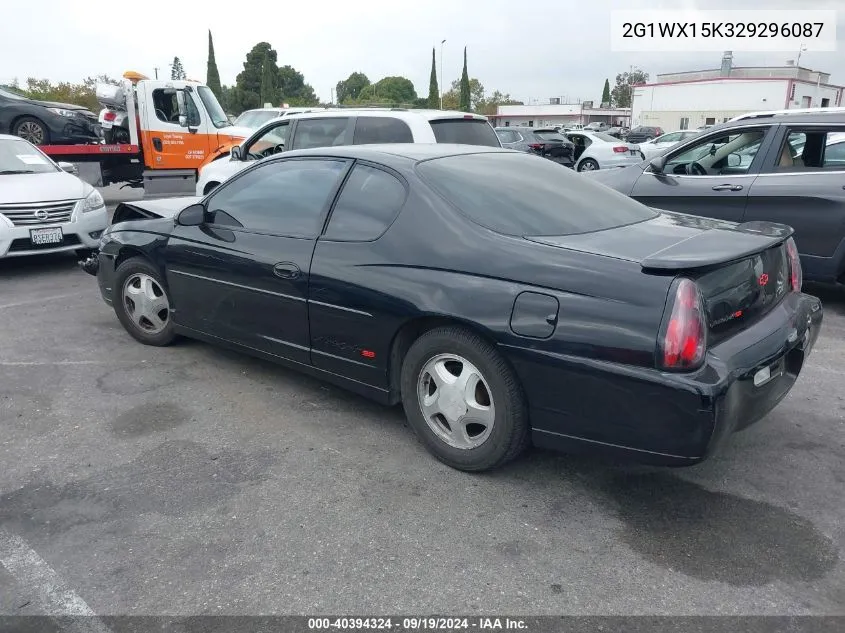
31,129
463,400
588,164
141,302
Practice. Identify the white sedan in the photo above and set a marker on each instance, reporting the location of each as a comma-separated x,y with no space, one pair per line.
657,146
597,150
43,208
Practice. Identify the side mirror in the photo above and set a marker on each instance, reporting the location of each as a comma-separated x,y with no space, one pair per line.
657,164
193,215
734,160
235,153
69,168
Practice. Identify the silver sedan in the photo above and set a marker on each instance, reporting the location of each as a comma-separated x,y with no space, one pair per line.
597,150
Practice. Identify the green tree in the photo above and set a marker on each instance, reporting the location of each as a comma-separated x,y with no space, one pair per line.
294,91
248,81
489,105
348,89
212,75
465,104
83,94
605,93
452,99
390,90
268,92
621,94
176,69
433,91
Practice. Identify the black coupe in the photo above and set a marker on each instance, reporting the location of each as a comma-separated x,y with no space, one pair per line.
500,297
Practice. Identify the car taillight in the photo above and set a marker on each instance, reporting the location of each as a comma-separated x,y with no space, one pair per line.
796,276
683,339
620,149
109,116
535,146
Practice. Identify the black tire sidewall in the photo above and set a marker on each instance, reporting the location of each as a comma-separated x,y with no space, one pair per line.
509,409
124,271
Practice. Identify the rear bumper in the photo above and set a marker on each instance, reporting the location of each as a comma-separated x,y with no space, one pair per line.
664,418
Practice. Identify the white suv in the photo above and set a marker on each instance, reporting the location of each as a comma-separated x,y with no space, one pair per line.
43,209
362,126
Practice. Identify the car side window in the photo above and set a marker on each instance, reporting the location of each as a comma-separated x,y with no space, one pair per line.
326,132
670,138
369,202
284,197
730,152
834,155
271,142
371,129
809,149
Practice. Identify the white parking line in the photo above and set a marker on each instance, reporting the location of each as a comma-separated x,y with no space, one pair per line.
44,587
42,300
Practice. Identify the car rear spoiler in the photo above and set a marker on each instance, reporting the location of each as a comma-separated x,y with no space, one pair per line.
717,247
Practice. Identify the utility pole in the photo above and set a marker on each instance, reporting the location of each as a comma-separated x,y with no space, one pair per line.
442,79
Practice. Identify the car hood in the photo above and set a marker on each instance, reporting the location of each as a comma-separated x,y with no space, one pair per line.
152,209
622,179
64,106
47,187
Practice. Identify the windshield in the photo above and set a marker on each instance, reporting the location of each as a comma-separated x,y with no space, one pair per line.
518,194
254,119
215,112
19,157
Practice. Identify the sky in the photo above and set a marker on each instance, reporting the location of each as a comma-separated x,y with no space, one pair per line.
532,51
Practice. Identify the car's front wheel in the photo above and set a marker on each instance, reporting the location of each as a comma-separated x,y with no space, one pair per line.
588,164
141,302
463,400
31,129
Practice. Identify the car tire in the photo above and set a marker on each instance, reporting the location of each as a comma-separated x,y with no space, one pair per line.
142,303
588,164
31,129
498,432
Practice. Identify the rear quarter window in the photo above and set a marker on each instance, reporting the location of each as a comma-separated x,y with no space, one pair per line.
369,202
465,132
522,195
370,130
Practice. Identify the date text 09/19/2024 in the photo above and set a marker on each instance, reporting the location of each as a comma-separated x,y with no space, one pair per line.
417,624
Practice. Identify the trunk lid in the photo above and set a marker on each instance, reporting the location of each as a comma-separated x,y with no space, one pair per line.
742,270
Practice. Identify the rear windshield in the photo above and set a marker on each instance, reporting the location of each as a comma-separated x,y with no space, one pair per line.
551,136
519,194
465,132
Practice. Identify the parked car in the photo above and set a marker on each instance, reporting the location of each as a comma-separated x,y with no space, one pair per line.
349,127
650,149
616,131
597,150
643,133
43,208
45,122
785,168
596,126
371,267
254,119
544,142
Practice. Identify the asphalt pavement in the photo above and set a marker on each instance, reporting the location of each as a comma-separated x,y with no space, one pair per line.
193,480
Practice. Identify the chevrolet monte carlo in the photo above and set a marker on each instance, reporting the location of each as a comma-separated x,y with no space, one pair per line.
501,298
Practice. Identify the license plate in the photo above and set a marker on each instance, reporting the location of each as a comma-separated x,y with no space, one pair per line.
41,237
106,125
635,152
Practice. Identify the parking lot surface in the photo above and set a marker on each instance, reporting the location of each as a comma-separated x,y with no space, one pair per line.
190,480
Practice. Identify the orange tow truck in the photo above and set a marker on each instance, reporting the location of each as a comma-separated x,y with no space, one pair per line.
172,128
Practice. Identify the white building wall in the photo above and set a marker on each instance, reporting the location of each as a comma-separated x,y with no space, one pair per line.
715,101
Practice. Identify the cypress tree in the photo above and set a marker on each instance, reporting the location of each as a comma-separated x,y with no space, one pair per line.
433,92
465,103
212,77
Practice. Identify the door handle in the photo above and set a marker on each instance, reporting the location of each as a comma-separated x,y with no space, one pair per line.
286,270
727,188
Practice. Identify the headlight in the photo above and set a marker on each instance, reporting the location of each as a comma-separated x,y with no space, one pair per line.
93,202
62,112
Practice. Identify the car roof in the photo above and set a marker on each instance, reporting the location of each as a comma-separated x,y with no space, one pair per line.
401,113
412,151
775,118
